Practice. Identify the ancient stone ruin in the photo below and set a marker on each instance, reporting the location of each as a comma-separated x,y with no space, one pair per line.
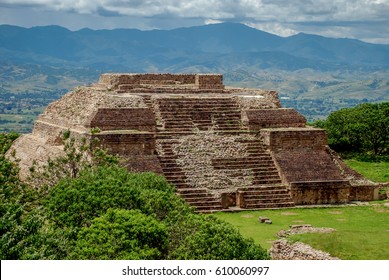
223,148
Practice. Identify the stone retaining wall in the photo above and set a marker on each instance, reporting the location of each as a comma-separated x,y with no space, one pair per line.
320,192
265,118
200,81
124,119
126,143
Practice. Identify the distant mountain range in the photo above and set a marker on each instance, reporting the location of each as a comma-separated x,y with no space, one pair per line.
303,68
223,45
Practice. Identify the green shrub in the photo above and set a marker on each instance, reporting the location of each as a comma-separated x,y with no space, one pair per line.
76,202
122,234
200,237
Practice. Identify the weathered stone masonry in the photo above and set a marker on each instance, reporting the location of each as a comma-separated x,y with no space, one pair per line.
223,148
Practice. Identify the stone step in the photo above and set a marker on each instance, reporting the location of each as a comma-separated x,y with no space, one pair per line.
193,196
180,185
208,209
173,169
175,177
266,195
168,158
193,190
282,197
205,203
244,160
260,164
263,188
269,205
195,193
201,108
178,125
197,101
266,181
176,181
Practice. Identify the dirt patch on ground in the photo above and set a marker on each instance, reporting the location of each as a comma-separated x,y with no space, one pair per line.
298,221
299,229
335,212
247,216
341,220
289,214
382,209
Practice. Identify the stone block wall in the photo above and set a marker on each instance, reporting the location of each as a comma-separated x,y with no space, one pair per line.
209,81
144,163
267,118
295,138
201,81
363,193
124,119
320,192
125,143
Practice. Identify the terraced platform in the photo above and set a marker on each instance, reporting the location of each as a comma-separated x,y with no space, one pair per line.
225,149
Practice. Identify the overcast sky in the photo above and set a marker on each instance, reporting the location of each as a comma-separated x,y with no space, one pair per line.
367,20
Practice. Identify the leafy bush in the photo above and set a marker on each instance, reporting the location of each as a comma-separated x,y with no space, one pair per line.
76,202
122,234
364,128
200,237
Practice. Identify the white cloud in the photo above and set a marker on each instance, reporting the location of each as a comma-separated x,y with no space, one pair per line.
274,27
212,21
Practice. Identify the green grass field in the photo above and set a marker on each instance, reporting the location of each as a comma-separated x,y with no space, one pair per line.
375,171
362,232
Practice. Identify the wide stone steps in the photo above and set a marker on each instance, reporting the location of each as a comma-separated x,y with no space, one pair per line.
221,114
260,197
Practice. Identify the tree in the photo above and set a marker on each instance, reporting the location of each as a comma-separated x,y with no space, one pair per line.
122,234
75,202
201,237
364,128
20,221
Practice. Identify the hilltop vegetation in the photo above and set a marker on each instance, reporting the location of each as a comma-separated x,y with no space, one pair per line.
105,212
363,129
314,74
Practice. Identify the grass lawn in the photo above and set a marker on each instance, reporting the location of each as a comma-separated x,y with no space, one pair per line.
375,171
362,232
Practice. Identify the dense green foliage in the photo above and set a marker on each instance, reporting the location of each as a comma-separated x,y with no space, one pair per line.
362,129
104,212
122,234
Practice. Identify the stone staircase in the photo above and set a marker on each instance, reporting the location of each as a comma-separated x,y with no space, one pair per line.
184,115
264,197
266,190
199,198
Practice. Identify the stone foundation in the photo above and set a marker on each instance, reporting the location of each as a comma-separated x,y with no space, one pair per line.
320,192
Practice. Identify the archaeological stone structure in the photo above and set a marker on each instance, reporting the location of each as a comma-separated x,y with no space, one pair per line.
223,148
